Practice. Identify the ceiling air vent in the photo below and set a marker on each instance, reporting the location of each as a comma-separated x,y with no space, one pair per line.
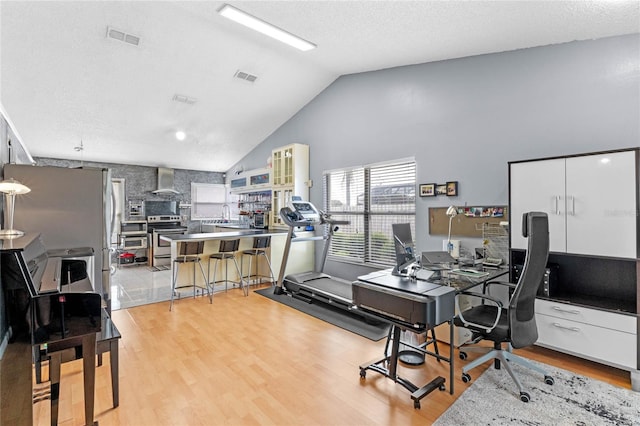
184,99
122,36
245,76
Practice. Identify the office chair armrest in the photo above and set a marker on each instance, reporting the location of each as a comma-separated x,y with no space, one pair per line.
487,284
494,300
504,283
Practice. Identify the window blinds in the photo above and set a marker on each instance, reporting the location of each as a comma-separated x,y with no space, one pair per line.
371,198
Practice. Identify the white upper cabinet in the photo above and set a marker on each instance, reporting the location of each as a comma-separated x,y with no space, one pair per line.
538,186
601,205
590,200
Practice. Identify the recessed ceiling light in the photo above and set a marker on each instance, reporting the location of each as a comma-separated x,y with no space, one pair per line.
180,135
265,28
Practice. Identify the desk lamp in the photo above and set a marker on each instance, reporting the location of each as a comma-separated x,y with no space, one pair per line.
11,188
451,212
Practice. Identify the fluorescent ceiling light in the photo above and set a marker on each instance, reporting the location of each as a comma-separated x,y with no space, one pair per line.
265,28
180,135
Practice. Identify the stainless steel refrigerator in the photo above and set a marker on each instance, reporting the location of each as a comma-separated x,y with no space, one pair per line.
70,208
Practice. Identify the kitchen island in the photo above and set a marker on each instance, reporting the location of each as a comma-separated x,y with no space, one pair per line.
301,257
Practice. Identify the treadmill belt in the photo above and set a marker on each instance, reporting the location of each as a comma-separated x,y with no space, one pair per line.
329,287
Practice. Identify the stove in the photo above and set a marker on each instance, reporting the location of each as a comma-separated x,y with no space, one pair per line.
162,225
163,221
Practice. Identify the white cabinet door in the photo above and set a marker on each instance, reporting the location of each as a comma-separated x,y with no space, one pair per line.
538,186
601,205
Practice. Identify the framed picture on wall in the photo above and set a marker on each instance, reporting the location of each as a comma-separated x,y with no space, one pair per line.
428,190
452,189
441,189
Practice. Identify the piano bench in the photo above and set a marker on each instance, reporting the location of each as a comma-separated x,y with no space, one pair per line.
106,341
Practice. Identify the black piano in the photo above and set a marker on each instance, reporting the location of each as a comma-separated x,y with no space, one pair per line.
43,312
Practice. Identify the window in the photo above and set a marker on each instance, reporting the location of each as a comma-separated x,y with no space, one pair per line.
207,200
371,198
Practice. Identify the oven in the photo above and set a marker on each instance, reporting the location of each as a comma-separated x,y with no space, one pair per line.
133,227
160,250
133,242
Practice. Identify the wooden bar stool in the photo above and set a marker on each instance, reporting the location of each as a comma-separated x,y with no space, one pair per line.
226,252
260,246
189,253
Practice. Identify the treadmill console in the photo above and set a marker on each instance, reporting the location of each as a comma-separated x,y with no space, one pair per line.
306,211
301,213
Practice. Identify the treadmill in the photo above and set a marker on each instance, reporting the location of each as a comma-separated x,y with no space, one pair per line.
312,285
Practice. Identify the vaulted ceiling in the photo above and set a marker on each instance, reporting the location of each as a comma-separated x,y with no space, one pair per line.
65,84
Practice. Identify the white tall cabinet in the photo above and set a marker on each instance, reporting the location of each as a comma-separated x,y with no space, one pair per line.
592,204
290,176
590,200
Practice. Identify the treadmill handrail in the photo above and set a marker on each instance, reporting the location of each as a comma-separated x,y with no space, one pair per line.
316,238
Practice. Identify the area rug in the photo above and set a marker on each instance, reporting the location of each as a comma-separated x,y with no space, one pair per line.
493,399
336,316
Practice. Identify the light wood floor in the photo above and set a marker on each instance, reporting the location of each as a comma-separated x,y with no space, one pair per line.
249,360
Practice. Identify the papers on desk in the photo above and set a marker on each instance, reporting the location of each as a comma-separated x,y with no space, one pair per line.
471,273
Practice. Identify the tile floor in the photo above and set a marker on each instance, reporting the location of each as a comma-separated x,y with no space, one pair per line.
135,285
138,285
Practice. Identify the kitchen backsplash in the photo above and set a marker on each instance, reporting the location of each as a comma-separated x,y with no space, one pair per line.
140,181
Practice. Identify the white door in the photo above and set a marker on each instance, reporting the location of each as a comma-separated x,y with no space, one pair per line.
601,205
538,186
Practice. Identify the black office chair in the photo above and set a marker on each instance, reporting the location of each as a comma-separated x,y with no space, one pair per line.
513,325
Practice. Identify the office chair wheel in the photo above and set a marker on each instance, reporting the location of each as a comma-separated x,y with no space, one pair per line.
363,374
549,380
442,387
466,378
524,397
416,405
463,355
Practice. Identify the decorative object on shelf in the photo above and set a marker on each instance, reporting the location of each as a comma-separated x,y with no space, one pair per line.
428,190
452,189
11,188
484,211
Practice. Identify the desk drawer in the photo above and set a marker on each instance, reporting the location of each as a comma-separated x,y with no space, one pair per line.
588,341
610,320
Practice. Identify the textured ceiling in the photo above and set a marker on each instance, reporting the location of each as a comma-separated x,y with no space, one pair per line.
62,81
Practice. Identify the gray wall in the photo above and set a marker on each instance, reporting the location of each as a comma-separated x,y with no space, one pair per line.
464,119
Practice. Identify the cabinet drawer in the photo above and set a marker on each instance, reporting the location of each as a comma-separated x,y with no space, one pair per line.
588,341
604,319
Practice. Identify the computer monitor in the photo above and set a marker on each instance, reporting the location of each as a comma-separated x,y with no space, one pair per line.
403,242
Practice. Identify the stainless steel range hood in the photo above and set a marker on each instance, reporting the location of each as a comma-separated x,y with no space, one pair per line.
165,182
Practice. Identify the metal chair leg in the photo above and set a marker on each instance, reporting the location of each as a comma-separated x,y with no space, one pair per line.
173,285
245,289
273,280
206,281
